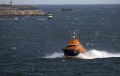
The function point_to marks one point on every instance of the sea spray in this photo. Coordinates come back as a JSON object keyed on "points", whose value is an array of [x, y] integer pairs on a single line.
{"points": [[92, 54], [54, 55]]}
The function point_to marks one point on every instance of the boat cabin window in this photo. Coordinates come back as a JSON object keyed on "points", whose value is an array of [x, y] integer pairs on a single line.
{"points": [[71, 45]]}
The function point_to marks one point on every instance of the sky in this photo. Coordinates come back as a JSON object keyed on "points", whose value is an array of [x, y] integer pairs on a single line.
{"points": [[61, 1]]}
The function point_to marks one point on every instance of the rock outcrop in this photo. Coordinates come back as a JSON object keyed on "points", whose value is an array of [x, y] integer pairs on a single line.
{"points": [[21, 13], [20, 10]]}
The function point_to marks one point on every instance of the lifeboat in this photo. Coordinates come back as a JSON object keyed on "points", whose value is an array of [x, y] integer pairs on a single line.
{"points": [[73, 48]]}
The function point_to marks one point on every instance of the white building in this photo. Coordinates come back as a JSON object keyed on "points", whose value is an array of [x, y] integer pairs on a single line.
{"points": [[11, 2]]}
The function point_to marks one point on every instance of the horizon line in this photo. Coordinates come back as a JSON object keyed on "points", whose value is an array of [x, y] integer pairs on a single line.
{"points": [[64, 4]]}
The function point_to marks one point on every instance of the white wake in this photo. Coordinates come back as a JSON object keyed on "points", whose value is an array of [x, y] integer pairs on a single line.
{"points": [[54, 55], [91, 54]]}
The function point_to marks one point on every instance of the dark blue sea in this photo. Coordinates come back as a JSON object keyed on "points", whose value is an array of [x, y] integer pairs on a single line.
{"points": [[32, 45]]}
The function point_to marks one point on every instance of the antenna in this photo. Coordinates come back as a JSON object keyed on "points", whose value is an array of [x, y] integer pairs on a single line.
{"points": [[77, 31], [73, 34]]}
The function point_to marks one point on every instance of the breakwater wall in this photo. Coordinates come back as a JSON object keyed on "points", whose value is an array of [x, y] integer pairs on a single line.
{"points": [[20, 10]]}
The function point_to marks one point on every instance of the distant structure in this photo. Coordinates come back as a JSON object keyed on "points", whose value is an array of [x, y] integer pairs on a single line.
{"points": [[50, 15], [11, 2], [67, 9]]}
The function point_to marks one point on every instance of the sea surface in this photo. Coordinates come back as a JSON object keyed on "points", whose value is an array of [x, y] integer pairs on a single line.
{"points": [[32, 45]]}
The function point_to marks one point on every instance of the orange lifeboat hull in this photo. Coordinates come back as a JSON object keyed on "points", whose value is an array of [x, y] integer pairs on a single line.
{"points": [[73, 49]]}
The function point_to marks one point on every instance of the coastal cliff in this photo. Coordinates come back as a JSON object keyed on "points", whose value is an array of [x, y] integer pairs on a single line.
{"points": [[20, 10]]}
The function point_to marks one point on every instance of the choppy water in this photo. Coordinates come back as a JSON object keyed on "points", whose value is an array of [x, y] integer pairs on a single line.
{"points": [[33, 45]]}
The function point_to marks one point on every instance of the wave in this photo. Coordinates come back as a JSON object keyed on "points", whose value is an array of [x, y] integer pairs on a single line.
{"points": [[41, 19], [54, 55], [2, 19], [91, 54]]}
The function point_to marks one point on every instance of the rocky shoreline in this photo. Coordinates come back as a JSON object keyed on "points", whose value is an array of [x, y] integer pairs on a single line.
{"points": [[20, 10]]}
